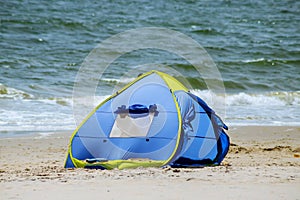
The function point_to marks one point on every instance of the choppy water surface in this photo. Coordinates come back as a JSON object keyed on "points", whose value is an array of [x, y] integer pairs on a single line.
{"points": [[255, 45]]}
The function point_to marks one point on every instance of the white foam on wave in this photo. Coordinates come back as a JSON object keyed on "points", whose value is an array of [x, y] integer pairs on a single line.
{"points": [[12, 93], [42, 115], [123, 80], [35, 115], [243, 99], [256, 99], [34, 121], [264, 99], [270, 108], [254, 60], [19, 95], [63, 101]]}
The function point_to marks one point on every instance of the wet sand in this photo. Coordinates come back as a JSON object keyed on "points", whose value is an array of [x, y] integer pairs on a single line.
{"points": [[263, 163]]}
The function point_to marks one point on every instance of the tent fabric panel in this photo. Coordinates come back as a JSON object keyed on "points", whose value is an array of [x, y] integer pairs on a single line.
{"points": [[200, 148], [196, 156], [79, 149], [199, 140], [124, 148], [200, 145], [105, 118], [202, 103], [195, 120], [173, 83], [119, 164], [101, 148], [147, 91], [223, 143], [163, 132], [91, 128], [165, 125], [86, 142], [152, 148], [69, 163], [142, 145]]}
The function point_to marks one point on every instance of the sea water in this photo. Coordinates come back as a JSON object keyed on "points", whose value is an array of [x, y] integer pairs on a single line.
{"points": [[255, 45]]}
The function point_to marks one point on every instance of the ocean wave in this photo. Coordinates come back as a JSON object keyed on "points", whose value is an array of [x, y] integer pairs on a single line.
{"points": [[268, 108], [205, 31], [116, 81], [63, 101], [13, 121], [12, 93], [272, 61], [59, 113], [41, 115], [254, 60], [16, 94], [275, 98]]}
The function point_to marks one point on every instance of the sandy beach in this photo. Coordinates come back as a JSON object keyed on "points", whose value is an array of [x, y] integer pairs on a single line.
{"points": [[263, 163]]}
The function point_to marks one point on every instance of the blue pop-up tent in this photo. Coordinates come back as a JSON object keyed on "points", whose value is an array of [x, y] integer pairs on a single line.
{"points": [[153, 121]]}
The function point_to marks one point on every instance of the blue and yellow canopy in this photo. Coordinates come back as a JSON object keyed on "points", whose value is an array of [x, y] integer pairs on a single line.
{"points": [[153, 121]]}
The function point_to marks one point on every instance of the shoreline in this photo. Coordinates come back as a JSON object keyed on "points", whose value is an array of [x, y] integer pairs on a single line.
{"points": [[263, 162], [28, 134]]}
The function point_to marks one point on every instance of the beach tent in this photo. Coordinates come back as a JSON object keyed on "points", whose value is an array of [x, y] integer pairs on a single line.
{"points": [[153, 121]]}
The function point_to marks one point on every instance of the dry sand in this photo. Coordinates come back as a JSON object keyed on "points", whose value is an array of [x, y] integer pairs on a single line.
{"points": [[263, 163]]}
